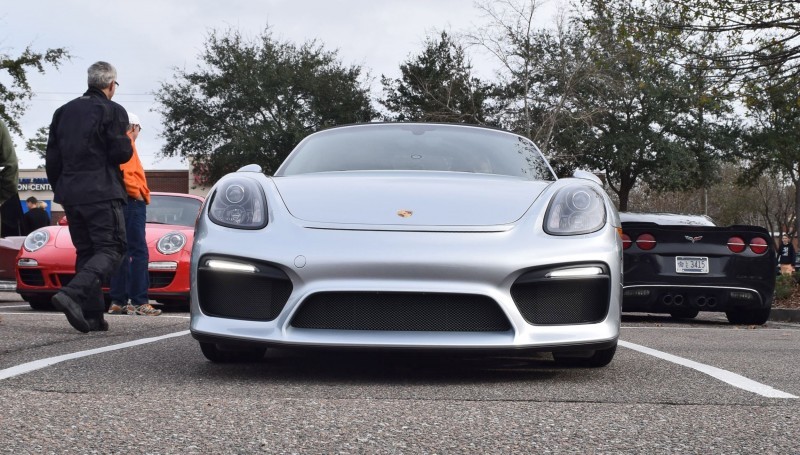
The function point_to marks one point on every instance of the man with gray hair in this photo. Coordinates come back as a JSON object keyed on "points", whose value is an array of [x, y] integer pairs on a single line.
{"points": [[87, 144]]}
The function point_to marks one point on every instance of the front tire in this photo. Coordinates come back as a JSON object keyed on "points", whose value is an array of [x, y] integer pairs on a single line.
{"points": [[586, 359], [748, 317], [231, 354]]}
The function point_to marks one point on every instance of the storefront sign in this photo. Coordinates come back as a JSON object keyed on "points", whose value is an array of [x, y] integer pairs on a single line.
{"points": [[34, 184]]}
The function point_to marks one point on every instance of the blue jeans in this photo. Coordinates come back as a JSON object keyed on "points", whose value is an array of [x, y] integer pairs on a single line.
{"points": [[131, 280]]}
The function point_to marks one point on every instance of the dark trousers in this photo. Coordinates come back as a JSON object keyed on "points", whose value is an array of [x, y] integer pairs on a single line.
{"points": [[131, 279], [98, 233]]}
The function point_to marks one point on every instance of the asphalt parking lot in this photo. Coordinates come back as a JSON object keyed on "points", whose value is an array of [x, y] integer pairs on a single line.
{"points": [[701, 386]]}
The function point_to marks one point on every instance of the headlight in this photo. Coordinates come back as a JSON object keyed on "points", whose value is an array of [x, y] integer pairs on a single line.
{"points": [[171, 243], [575, 210], [239, 203], [36, 240]]}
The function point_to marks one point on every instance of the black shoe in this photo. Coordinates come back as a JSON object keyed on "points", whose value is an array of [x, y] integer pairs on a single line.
{"points": [[97, 324], [72, 310]]}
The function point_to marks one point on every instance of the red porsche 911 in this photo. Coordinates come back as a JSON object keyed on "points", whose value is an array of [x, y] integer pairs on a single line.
{"points": [[46, 260]]}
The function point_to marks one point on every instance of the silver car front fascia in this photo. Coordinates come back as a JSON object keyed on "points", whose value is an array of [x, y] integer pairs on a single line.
{"points": [[486, 263]]}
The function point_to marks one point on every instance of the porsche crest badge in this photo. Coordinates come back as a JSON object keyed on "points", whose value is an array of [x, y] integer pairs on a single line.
{"points": [[404, 213]]}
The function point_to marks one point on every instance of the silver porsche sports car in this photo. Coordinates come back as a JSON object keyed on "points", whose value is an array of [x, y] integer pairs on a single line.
{"points": [[404, 235]]}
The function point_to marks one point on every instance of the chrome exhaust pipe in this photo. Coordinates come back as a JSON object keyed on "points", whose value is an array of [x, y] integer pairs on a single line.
{"points": [[711, 301], [701, 301], [678, 299], [666, 299]]}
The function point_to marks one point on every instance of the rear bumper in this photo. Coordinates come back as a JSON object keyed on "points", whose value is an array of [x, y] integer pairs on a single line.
{"points": [[665, 298]]}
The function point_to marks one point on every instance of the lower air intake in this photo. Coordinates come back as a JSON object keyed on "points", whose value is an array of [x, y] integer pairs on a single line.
{"points": [[401, 311], [251, 296], [562, 301]]}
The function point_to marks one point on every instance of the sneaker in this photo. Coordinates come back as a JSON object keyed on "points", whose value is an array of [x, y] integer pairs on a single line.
{"points": [[147, 310], [72, 311], [129, 309], [116, 308]]}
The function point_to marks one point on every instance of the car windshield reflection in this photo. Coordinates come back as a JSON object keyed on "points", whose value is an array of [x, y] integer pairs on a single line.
{"points": [[181, 211]]}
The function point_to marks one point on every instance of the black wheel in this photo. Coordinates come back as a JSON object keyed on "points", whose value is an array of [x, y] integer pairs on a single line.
{"points": [[39, 303], [748, 317], [684, 313], [230, 354], [586, 359]]}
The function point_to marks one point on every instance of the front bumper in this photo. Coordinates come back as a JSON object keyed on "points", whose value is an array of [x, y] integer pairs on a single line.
{"points": [[427, 267]]}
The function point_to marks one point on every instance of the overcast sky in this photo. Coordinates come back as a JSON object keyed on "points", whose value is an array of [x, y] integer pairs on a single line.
{"points": [[147, 39]]}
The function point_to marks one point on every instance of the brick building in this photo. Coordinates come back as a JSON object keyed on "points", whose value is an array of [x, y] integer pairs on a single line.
{"points": [[33, 182]]}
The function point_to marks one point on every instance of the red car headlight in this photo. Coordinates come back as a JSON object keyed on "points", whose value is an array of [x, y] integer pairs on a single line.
{"points": [[36, 240], [171, 243]]}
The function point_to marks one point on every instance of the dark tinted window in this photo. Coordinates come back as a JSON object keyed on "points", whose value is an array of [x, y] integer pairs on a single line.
{"points": [[418, 147]]}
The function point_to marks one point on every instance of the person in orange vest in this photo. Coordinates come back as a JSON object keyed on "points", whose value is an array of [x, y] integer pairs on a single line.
{"points": [[130, 282]]}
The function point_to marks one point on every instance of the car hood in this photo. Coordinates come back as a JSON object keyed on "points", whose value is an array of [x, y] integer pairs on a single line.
{"points": [[153, 231], [408, 198]]}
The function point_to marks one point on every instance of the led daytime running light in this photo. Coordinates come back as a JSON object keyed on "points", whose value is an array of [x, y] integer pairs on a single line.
{"points": [[575, 272], [227, 266]]}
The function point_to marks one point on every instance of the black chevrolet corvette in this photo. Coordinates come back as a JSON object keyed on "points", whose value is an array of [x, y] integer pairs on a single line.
{"points": [[684, 264]]}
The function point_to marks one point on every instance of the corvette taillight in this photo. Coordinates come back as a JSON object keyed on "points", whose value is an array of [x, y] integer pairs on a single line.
{"points": [[736, 244], [758, 245], [646, 242], [626, 241]]}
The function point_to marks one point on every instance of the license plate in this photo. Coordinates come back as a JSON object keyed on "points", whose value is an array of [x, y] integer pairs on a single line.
{"points": [[691, 264]]}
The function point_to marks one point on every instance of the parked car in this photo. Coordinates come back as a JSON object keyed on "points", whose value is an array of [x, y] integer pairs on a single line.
{"points": [[401, 235], [46, 260], [684, 264], [9, 248]]}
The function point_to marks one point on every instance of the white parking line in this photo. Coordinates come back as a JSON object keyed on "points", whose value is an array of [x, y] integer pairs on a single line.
{"points": [[29, 313], [43, 363], [718, 373]]}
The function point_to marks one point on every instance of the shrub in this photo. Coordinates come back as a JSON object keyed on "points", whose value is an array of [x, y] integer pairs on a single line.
{"points": [[784, 286]]}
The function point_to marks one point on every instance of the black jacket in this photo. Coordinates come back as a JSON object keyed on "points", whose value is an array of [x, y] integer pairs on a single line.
{"points": [[87, 144], [33, 219], [786, 254]]}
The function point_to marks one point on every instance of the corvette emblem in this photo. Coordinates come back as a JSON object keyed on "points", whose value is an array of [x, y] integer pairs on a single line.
{"points": [[694, 239], [404, 213]]}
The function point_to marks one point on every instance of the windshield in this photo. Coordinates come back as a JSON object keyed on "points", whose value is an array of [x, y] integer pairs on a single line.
{"points": [[181, 211], [423, 147]]}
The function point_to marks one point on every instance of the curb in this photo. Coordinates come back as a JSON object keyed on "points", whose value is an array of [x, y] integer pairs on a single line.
{"points": [[784, 315]]}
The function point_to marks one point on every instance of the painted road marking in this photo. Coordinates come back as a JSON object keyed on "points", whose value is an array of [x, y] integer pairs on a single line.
{"points": [[728, 377], [162, 315], [44, 363], [718, 373]]}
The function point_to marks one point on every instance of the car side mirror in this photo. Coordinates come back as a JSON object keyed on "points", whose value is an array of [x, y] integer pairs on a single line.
{"points": [[250, 168], [580, 174]]}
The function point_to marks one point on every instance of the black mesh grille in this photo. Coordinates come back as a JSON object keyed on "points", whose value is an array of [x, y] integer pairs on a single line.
{"points": [[157, 279], [562, 301], [252, 296], [399, 311], [161, 279], [31, 277], [65, 278]]}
